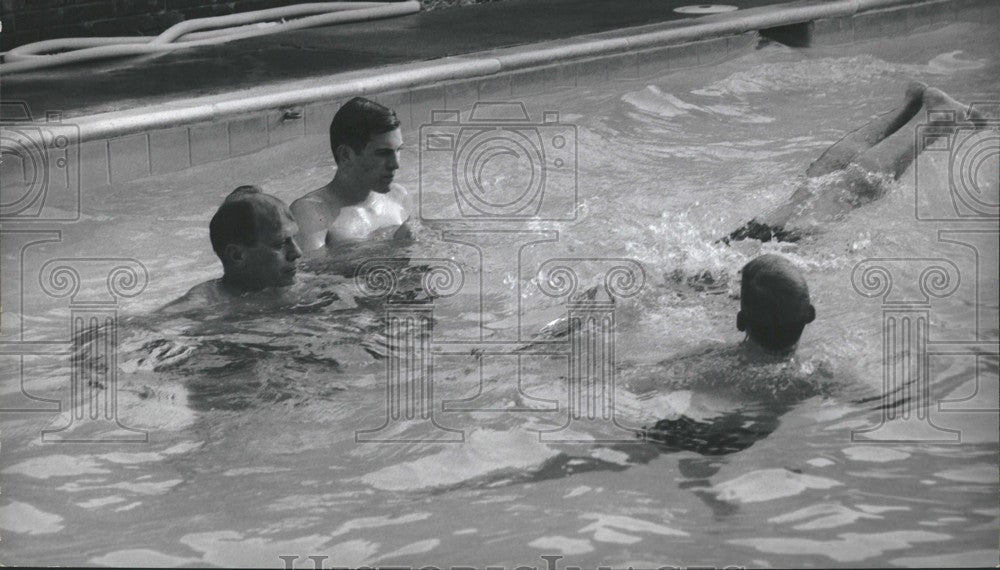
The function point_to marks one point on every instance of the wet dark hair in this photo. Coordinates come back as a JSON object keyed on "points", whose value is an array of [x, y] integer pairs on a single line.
{"points": [[358, 121], [774, 302], [236, 220]]}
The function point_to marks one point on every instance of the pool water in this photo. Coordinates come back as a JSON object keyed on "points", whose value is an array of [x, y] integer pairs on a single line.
{"points": [[252, 411]]}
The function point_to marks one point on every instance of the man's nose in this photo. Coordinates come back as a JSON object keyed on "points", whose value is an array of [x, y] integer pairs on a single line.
{"points": [[294, 252], [394, 161]]}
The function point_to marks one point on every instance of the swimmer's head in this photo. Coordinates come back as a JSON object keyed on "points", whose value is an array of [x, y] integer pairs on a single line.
{"points": [[774, 303], [356, 123], [253, 234]]}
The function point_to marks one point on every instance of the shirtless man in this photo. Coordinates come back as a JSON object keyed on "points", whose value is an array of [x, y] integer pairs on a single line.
{"points": [[361, 202], [719, 394], [253, 234], [855, 169], [774, 304]]}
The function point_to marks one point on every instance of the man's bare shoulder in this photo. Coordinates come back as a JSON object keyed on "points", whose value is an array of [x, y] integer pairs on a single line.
{"points": [[309, 201], [200, 296]]}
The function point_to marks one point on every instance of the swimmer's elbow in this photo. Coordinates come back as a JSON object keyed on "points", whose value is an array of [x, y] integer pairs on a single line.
{"points": [[311, 241], [403, 232]]}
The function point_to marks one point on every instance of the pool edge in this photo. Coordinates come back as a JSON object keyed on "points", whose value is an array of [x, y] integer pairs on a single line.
{"points": [[122, 146]]}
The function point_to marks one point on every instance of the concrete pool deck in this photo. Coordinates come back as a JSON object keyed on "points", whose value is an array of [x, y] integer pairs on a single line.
{"points": [[114, 85], [136, 119]]}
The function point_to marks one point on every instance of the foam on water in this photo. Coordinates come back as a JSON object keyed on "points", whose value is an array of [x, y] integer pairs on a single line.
{"points": [[411, 549], [652, 101], [817, 74], [768, 485], [874, 455], [22, 518], [231, 548], [850, 547], [983, 474], [823, 515], [562, 544], [57, 465], [485, 451], [377, 522], [970, 559], [950, 62], [142, 558], [613, 528]]}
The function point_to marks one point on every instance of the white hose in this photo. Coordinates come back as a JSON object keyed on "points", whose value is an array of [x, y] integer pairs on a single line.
{"points": [[200, 32]]}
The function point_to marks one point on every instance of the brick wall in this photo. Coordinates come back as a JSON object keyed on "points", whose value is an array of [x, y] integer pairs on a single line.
{"points": [[26, 21]]}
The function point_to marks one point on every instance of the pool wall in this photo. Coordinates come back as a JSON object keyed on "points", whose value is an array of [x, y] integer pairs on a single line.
{"points": [[123, 146]]}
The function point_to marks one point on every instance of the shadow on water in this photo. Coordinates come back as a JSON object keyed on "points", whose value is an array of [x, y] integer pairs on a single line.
{"points": [[301, 344]]}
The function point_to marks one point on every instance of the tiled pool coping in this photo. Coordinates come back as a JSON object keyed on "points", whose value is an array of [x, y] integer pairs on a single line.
{"points": [[128, 145]]}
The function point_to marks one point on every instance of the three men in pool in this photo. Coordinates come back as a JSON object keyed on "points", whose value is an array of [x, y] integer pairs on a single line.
{"points": [[361, 202], [258, 240], [855, 169]]}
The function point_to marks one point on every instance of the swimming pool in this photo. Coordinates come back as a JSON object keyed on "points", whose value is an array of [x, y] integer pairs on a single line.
{"points": [[252, 417]]}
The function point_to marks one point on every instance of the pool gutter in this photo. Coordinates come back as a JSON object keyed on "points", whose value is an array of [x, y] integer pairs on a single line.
{"points": [[140, 142], [345, 85]]}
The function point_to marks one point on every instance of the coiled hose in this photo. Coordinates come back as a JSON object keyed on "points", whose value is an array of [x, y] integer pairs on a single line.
{"points": [[200, 32]]}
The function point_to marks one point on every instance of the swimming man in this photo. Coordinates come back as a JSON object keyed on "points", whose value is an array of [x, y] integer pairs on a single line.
{"points": [[855, 169], [361, 202], [728, 398], [253, 234]]}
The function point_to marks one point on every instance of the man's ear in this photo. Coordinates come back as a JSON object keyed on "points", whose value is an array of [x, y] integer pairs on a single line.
{"points": [[740, 324], [343, 154], [234, 254], [810, 314]]}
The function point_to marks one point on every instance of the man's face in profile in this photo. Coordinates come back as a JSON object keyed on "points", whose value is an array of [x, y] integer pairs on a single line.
{"points": [[379, 160], [273, 261]]}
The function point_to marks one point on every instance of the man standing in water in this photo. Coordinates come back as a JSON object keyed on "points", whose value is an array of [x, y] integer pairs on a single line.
{"points": [[361, 202], [854, 171], [253, 234]]}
